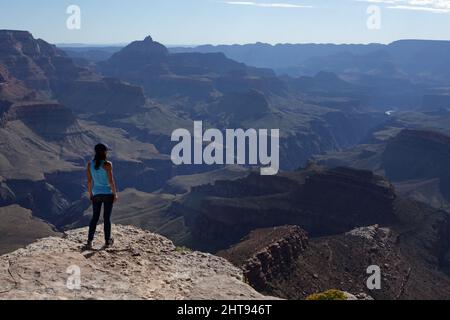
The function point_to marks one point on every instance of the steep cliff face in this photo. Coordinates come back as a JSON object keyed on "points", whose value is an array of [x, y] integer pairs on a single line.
{"points": [[267, 254], [140, 266], [35, 62], [2, 75], [50, 120], [436, 102], [417, 154], [19, 228], [19, 102], [345, 198], [6, 194], [11, 89], [109, 96], [43, 199], [235, 108]]}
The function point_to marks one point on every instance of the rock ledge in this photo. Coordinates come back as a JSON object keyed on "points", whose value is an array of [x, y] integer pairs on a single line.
{"points": [[141, 265]]}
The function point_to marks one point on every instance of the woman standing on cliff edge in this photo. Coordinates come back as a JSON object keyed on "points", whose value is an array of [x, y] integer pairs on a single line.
{"points": [[102, 191]]}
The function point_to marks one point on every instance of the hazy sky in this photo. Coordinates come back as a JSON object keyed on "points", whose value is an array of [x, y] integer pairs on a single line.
{"points": [[215, 21]]}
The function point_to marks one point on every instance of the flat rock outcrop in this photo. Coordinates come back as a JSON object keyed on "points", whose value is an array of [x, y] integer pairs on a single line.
{"points": [[141, 265]]}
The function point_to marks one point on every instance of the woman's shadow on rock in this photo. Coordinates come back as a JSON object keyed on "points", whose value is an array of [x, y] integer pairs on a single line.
{"points": [[90, 252]]}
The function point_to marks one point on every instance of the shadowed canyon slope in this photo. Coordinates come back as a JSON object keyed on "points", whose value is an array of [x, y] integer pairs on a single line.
{"points": [[18, 228]]}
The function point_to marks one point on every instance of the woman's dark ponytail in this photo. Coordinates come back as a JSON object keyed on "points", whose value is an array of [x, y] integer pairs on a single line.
{"points": [[100, 155]]}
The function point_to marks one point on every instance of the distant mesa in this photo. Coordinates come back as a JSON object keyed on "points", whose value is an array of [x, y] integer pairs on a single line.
{"points": [[138, 54], [198, 76]]}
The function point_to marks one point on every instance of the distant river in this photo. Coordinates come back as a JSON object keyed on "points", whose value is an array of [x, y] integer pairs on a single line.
{"points": [[390, 112]]}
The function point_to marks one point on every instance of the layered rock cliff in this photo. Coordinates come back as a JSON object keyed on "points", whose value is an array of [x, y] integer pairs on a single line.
{"points": [[141, 265], [50, 120], [46, 69], [35, 62], [267, 254]]}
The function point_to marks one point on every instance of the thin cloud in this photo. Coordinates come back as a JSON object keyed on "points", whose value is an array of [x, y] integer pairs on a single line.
{"points": [[416, 8], [434, 6], [266, 5]]}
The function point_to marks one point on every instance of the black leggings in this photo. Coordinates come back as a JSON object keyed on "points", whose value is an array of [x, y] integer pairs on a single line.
{"points": [[108, 201]]}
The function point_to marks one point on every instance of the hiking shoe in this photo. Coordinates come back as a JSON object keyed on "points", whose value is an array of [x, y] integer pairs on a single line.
{"points": [[109, 243], [88, 246]]}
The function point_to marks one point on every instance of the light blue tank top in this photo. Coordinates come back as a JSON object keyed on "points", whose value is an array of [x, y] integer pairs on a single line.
{"points": [[100, 180]]}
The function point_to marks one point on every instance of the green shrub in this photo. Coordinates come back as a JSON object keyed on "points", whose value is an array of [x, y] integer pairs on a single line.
{"points": [[328, 295], [183, 249]]}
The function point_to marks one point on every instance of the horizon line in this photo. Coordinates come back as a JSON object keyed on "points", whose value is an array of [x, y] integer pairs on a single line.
{"points": [[193, 45], [122, 44]]}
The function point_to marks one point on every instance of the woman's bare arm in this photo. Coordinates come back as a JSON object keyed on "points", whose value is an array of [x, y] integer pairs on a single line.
{"points": [[109, 170], [89, 177]]}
